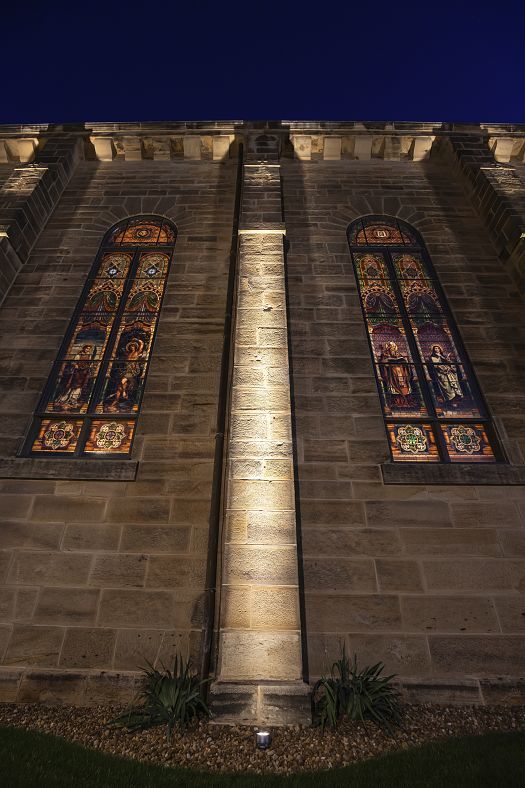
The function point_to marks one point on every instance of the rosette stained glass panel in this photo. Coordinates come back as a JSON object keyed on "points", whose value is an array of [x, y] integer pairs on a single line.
{"points": [[110, 437], [413, 442], [421, 367], [468, 442], [102, 366], [57, 435]]}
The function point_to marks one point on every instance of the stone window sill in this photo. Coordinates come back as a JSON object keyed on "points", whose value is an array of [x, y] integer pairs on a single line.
{"points": [[66, 468], [457, 473]]}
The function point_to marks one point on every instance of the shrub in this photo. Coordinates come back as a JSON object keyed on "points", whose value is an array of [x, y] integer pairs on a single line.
{"points": [[167, 697], [356, 695]]}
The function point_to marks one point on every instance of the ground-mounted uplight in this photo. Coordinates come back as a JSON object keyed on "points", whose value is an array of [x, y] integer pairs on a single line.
{"points": [[263, 739]]}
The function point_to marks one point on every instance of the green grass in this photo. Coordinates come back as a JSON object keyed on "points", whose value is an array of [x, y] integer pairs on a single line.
{"points": [[30, 759]]}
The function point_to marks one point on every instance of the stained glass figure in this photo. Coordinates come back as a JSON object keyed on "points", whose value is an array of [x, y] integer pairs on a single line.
{"points": [[421, 367], [103, 363]]}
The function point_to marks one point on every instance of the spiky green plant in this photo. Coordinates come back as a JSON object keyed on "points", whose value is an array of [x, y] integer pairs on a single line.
{"points": [[357, 695], [167, 697]]}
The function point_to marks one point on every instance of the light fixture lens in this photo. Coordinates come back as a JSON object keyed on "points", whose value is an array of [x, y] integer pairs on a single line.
{"points": [[263, 739]]}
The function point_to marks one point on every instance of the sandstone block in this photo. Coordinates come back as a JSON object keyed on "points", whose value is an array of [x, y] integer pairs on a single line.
{"points": [[448, 614], [468, 574], [148, 510], [511, 612], [398, 575], [479, 514], [88, 648], [274, 608], [481, 656], [272, 528], [76, 606], [350, 542], [118, 570], [235, 607], [45, 536], [67, 509], [404, 655], [325, 574], [9, 683], [260, 655], [175, 572], [137, 608], [32, 645], [344, 513], [92, 536], [407, 513], [264, 495], [260, 565], [352, 613], [155, 538], [450, 541], [53, 687], [51, 569]]}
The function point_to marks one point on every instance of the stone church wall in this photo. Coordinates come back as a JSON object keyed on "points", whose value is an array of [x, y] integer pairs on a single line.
{"points": [[425, 578], [426, 574], [98, 575]]}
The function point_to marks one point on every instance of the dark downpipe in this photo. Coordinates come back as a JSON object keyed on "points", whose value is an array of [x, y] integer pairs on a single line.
{"points": [[218, 465]]}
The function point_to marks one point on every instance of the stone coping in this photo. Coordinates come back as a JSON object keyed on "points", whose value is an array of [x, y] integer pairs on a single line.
{"points": [[457, 473], [68, 468]]}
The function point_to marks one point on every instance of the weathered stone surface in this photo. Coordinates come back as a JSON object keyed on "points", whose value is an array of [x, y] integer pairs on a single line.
{"points": [[76, 606], [88, 648], [250, 655], [34, 645], [492, 655], [449, 614]]}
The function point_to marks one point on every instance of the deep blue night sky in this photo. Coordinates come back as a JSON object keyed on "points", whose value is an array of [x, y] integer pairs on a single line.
{"points": [[199, 60]]}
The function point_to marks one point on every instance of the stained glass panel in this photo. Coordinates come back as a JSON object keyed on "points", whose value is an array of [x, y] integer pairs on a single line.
{"points": [[420, 298], [110, 437], [434, 340], [467, 443], [410, 266], [370, 267], [389, 342], [420, 365], [400, 390], [57, 436], [413, 443], [103, 364], [73, 385], [114, 266], [451, 391], [90, 336]]}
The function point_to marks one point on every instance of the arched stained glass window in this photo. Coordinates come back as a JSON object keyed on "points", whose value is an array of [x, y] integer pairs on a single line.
{"points": [[434, 410], [92, 398]]}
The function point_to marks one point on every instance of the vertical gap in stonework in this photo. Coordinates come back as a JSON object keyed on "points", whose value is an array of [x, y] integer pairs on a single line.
{"points": [[209, 648], [297, 497]]}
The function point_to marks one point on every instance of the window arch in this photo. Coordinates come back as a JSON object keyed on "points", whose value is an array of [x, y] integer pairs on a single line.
{"points": [[433, 408], [92, 398]]}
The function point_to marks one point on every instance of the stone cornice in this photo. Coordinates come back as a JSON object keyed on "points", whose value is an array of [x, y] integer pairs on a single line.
{"points": [[217, 140]]}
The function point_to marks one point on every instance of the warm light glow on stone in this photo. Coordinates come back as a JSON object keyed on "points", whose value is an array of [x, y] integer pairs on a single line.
{"points": [[260, 621]]}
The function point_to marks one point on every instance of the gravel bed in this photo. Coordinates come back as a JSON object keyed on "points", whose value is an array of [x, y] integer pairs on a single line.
{"points": [[219, 748]]}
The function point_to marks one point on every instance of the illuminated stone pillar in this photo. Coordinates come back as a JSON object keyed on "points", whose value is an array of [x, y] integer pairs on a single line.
{"points": [[260, 662]]}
